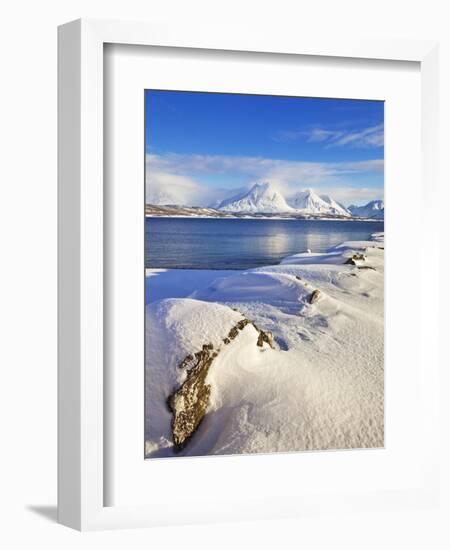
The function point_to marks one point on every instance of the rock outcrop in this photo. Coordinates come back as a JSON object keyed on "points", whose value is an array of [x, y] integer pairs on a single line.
{"points": [[355, 258], [190, 402], [314, 296]]}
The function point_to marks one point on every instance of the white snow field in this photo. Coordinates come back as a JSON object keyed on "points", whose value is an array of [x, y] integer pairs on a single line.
{"points": [[322, 387]]}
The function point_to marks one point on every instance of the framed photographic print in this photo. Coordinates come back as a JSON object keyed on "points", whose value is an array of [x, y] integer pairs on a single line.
{"points": [[235, 324], [264, 298]]}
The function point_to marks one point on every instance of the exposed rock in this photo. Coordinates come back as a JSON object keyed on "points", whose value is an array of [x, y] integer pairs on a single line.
{"points": [[355, 258], [314, 296], [366, 267], [235, 330], [265, 337], [190, 402]]}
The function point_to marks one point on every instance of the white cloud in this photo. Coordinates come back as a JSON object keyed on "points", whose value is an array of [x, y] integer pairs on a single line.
{"points": [[369, 137], [255, 166], [352, 195], [171, 178], [373, 136], [319, 135], [376, 165], [167, 188]]}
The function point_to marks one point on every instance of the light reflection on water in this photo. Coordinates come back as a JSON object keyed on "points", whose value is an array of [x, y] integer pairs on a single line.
{"points": [[194, 243]]}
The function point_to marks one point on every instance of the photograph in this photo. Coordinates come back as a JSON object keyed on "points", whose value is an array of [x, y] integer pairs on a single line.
{"points": [[264, 274]]}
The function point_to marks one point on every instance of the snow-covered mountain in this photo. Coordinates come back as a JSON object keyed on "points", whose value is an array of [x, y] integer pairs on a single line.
{"points": [[336, 207], [373, 209], [262, 198], [309, 202]]}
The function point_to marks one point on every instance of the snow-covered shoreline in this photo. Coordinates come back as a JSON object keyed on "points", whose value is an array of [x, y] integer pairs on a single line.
{"points": [[321, 387], [262, 217]]}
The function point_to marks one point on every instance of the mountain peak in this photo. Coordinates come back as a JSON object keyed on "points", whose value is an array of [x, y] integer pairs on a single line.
{"points": [[310, 202], [263, 187], [373, 209], [261, 198]]}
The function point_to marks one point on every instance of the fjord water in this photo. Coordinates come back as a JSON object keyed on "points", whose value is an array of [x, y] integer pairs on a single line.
{"points": [[215, 243]]}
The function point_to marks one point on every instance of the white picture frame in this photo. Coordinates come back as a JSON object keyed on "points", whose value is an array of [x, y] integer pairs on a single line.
{"points": [[82, 484]]}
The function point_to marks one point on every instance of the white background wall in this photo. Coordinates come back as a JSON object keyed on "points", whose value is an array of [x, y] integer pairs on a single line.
{"points": [[28, 269]]}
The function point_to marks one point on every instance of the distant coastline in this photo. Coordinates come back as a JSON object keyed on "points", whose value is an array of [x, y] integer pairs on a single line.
{"points": [[176, 211]]}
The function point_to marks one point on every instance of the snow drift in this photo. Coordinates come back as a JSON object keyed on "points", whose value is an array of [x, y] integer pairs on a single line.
{"points": [[321, 387]]}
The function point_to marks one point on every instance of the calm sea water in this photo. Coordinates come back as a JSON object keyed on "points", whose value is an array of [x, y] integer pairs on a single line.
{"points": [[212, 243]]}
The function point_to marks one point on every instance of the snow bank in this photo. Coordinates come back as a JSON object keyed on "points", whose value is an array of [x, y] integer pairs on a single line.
{"points": [[323, 385], [176, 328], [282, 290]]}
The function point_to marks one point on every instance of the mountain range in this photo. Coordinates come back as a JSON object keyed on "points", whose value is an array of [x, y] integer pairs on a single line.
{"points": [[264, 198]]}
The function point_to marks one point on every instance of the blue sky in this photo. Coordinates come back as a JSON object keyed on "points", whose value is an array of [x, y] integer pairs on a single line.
{"points": [[201, 147]]}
